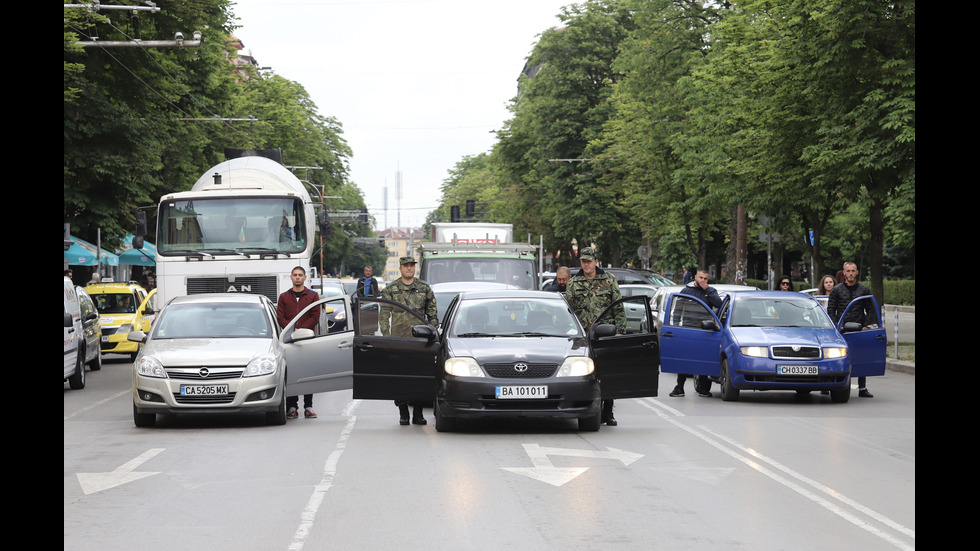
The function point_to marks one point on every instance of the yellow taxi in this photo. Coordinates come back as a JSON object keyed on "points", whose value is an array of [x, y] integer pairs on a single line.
{"points": [[123, 307]]}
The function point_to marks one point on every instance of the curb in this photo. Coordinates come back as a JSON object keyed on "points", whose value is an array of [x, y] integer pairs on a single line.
{"points": [[900, 366]]}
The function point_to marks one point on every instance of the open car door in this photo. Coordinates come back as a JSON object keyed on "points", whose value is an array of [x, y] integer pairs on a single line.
{"points": [[866, 348], [627, 363], [146, 313], [320, 360], [395, 352], [690, 337]]}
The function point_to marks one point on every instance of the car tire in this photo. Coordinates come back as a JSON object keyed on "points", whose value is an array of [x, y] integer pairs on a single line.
{"points": [[590, 423], [841, 395], [77, 379], [143, 419], [96, 363], [278, 417], [728, 391], [443, 423]]}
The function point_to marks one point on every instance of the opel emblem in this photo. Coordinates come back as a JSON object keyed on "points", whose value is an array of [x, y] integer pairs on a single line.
{"points": [[520, 368], [204, 372]]}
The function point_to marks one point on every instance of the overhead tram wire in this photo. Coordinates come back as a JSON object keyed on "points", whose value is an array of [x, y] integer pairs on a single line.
{"points": [[158, 93]]}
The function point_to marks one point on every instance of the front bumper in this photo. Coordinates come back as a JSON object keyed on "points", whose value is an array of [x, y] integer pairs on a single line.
{"points": [[245, 395], [475, 398], [761, 374]]}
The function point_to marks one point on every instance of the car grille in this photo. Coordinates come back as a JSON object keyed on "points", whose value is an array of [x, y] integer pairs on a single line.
{"points": [[205, 399], [198, 374], [787, 352], [106, 331], [256, 285], [212, 374], [533, 371]]}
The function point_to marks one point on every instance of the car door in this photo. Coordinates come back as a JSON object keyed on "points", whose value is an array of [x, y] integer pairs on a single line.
{"points": [[390, 362], [687, 345], [627, 364], [145, 314], [867, 348], [322, 362]]}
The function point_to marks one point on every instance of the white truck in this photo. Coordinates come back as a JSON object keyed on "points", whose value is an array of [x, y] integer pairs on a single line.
{"points": [[241, 228], [462, 251]]}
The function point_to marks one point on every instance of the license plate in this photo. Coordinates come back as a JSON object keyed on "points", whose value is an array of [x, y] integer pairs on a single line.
{"points": [[105, 340], [203, 390], [522, 392], [798, 370]]}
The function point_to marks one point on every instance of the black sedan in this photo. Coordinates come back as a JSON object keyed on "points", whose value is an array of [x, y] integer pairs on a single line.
{"points": [[511, 353]]}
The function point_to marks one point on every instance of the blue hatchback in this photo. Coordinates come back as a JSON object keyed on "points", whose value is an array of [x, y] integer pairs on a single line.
{"points": [[769, 340]]}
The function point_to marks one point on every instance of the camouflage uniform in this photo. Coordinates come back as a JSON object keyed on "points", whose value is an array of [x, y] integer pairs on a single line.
{"points": [[589, 297], [418, 296], [394, 322]]}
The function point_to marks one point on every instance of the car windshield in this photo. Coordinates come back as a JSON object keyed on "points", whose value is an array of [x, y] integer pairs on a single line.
{"points": [[772, 312], [197, 321], [242, 225], [515, 317], [115, 303]]}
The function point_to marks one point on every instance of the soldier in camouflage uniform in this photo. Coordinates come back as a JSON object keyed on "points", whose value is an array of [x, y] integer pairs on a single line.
{"points": [[417, 295], [589, 293]]}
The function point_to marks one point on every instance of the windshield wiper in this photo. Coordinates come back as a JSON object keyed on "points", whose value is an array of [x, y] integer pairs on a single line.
{"points": [[535, 334], [263, 252], [476, 335]]}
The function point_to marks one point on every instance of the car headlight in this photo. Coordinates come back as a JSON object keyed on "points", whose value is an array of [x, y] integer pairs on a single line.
{"points": [[148, 366], [755, 351], [262, 365], [832, 352], [463, 367], [576, 366]]}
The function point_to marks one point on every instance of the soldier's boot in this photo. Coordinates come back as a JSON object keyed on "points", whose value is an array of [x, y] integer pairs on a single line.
{"points": [[607, 413], [417, 418], [403, 412]]}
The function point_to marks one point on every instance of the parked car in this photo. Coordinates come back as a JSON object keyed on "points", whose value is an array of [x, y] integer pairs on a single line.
{"points": [[328, 287], [660, 297], [74, 339], [507, 353], [91, 328], [446, 292], [210, 353], [768, 340], [123, 307], [225, 353], [629, 276]]}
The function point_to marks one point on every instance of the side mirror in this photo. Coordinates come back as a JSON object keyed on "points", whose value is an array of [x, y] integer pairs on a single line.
{"points": [[851, 326], [302, 334], [136, 336], [709, 325], [68, 321], [140, 230], [603, 330], [424, 332]]}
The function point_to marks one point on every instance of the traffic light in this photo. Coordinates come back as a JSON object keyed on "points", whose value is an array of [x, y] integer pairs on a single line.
{"points": [[364, 216], [454, 213], [470, 208]]}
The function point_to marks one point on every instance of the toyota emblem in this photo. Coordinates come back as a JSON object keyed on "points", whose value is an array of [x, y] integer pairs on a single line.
{"points": [[520, 368]]}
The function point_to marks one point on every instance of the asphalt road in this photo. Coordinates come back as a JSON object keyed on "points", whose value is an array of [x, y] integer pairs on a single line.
{"points": [[772, 471]]}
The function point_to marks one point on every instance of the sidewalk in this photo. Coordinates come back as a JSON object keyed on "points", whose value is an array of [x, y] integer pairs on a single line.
{"points": [[907, 334]]}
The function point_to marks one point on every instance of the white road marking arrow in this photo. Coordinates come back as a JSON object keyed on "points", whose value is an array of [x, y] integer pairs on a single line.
{"points": [[96, 482], [545, 471]]}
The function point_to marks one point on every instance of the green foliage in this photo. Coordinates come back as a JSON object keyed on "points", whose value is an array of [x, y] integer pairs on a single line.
{"points": [[143, 122]]}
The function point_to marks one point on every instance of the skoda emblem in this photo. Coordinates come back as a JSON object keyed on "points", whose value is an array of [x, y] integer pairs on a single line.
{"points": [[204, 372], [520, 368], [796, 348]]}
